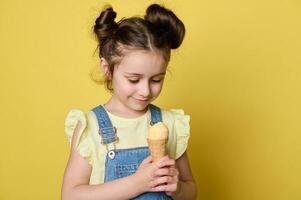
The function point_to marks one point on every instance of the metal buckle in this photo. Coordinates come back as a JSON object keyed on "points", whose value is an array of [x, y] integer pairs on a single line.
{"points": [[111, 153]]}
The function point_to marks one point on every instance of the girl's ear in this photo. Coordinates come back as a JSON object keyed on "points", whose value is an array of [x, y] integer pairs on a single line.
{"points": [[105, 68]]}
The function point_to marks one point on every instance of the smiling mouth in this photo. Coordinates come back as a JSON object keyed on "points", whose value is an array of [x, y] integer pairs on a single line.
{"points": [[142, 100]]}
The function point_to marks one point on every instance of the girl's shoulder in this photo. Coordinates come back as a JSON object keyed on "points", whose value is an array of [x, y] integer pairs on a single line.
{"points": [[174, 115], [75, 116], [86, 137], [177, 121]]}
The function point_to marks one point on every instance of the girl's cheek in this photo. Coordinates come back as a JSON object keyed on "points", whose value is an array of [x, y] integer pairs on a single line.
{"points": [[128, 87], [157, 89]]}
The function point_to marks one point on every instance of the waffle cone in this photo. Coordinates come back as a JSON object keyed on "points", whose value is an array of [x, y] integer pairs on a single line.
{"points": [[157, 148]]}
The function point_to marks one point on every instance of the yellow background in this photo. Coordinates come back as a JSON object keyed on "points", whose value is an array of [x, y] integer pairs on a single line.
{"points": [[237, 74]]}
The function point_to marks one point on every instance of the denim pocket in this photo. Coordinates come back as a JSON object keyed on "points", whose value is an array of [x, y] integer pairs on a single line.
{"points": [[125, 170]]}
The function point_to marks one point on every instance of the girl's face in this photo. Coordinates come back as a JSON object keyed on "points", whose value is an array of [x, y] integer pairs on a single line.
{"points": [[138, 80]]}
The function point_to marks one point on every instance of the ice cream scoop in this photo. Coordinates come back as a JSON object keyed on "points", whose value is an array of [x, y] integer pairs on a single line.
{"points": [[157, 140]]}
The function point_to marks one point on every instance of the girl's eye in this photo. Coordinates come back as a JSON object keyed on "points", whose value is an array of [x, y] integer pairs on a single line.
{"points": [[133, 80], [156, 81]]}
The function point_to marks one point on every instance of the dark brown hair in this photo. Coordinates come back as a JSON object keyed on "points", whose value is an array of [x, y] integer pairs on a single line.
{"points": [[159, 30]]}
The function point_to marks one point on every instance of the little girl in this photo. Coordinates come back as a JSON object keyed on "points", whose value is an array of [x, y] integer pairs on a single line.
{"points": [[109, 156]]}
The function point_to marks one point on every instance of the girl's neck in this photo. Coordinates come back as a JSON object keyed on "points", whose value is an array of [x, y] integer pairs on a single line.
{"points": [[120, 110]]}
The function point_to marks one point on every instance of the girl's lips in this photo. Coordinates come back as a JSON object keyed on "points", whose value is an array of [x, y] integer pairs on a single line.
{"points": [[142, 101]]}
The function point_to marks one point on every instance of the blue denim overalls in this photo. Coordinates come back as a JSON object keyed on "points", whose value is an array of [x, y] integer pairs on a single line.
{"points": [[125, 162]]}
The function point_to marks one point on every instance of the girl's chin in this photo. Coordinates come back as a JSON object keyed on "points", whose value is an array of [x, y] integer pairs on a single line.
{"points": [[139, 107]]}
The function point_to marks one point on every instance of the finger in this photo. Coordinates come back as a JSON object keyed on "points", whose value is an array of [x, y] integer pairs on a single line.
{"points": [[170, 187], [163, 159], [167, 163], [159, 188], [173, 171], [166, 171], [161, 180], [162, 172], [174, 179]]}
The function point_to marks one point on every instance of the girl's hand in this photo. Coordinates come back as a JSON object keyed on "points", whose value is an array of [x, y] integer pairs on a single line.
{"points": [[152, 176], [145, 174], [173, 184], [167, 178]]}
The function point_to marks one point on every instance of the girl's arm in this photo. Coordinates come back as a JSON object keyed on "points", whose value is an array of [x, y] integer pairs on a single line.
{"points": [[186, 186], [76, 183], [77, 174]]}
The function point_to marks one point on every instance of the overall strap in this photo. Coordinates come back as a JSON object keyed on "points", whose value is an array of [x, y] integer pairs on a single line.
{"points": [[156, 115], [106, 129]]}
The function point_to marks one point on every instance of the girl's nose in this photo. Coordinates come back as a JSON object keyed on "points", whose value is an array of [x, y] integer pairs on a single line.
{"points": [[144, 90]]}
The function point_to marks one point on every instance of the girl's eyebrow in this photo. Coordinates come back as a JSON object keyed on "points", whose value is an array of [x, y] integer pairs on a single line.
{"points": [[132, 74]]}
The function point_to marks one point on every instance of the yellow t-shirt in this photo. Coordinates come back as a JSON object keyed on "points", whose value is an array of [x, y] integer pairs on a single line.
{"points": [[132, 133]]}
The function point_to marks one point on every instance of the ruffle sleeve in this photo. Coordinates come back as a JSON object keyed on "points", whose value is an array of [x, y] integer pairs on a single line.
{"points": [[181, 130], [83, 140]]}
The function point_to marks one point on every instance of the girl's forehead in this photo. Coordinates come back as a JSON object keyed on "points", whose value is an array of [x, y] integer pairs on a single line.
{"points": [[142, 61]]}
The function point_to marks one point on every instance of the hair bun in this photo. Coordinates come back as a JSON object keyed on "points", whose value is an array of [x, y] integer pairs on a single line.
{"points": [[105, 24], [168, 28]]}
